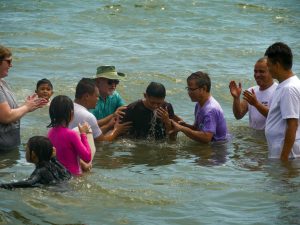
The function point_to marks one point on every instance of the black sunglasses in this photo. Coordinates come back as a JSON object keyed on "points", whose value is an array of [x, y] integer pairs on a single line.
{"points": [[9, 61], [110, 82]]}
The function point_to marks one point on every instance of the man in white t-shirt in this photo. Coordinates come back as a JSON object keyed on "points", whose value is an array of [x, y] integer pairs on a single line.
{"points": [[256, 100], [86, 97], [282, 126]]}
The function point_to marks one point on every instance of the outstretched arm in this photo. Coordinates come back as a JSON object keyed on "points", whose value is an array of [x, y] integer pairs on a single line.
{"points": [[200, 136], [9, 115]]}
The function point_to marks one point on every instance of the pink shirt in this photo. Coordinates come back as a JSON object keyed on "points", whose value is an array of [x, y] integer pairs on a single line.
{"points": [[70, 148]]}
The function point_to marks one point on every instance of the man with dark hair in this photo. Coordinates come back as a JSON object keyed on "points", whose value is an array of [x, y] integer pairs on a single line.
{"points": [[282, 126], [86, 97], [150, 116], [210, 124], [256, 100]]}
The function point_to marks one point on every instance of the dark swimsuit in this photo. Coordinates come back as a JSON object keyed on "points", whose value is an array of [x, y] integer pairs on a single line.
{"points": [[45, 173]]}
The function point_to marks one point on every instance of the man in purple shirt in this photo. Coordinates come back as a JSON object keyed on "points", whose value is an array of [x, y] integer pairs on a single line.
{"points": [[210, 124]]}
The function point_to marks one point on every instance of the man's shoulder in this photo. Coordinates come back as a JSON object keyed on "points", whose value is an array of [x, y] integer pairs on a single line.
{"points": [[136, 104]]}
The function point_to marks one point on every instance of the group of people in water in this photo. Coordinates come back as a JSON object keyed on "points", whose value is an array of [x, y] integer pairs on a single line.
{"points": [[99, 111]]}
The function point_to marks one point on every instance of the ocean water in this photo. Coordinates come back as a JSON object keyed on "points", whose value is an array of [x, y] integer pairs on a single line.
{"points": [[152, 40]]}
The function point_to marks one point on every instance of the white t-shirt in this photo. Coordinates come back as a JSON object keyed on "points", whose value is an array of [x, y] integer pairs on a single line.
{"points": [[285, 105], [81, 115], [256, 119]]}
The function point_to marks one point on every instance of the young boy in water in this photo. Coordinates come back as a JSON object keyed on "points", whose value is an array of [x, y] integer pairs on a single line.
{"points": [[44, 89], [150, 116], [47, 171]]}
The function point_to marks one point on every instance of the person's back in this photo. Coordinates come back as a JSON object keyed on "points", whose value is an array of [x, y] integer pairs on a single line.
{"points": [[69, 145]]}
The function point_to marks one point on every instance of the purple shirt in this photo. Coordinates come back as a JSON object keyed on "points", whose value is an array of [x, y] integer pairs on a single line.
{"points": [[210, 118]]}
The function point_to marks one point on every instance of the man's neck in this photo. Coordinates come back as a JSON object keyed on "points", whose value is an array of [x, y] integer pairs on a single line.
{"points": [[203, 100], [80, 102], [265, 87], [284, 75]]}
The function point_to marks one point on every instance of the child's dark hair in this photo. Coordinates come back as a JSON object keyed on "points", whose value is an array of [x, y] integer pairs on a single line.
{"points": [[41, 146], [156, 90], [60, 111], [44, 81]]}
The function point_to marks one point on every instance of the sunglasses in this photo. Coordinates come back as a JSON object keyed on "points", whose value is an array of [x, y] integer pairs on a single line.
{"points": [[9, 61], [110, 82]]}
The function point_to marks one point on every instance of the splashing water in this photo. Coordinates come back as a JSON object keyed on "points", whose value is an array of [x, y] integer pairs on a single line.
{"points": [[151, 134]]}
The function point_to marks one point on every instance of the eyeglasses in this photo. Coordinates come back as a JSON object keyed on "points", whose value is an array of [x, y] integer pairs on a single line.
{"points": [[191, 89], [110, 82], [9, 61]]}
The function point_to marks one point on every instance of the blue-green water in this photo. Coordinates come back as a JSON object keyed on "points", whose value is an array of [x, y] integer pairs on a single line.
{"points": [[164, 41]]}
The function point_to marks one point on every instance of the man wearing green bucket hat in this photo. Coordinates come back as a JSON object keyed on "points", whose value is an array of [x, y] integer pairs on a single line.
{"points": [[110, 103]]}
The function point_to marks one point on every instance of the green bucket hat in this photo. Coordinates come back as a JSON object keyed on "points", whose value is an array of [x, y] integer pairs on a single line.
{"points": [[109, 72]]}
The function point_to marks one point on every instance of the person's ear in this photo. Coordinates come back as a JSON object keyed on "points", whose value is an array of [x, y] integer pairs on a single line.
{"points": [[34, 158], [53, 152], [35, 91]]}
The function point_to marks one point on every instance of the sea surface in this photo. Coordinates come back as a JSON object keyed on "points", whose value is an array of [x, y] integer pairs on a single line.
{"points": [[143, 182]]}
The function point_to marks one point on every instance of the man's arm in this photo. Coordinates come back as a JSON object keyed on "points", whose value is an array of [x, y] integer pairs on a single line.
{"points": [[200, 136], [250, 97], [289, 139], [239, 108]]}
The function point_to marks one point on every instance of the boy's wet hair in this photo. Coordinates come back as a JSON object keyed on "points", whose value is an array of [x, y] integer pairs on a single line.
{"points": [[85, 86], [60, 111], [44, 81], [156, 90], [41, 146]]}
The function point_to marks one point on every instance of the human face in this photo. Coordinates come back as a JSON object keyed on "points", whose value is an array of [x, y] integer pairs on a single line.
{"points": [[5, 65], [153, 103], [193, 90], [262, 76], [44, 91], [106, 86], [92, 99]]}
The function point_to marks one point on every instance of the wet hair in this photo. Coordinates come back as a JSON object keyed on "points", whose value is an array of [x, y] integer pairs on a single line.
{"points": [[41, 146], [60, 111], [44, 81], [156, 90], [202, 79], [85, 86], [281, 53], [4, 52]]}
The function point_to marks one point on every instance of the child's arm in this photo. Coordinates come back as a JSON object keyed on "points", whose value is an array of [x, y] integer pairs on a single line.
{"points": [[32, 181], [82, 147]]}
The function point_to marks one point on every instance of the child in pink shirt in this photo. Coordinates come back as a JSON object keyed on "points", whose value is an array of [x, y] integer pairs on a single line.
{"points": [[70, 148]]}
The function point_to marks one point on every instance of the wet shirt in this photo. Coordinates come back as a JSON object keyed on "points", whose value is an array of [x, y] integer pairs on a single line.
{"points": [[210, 118], [108, 106], [45, 173], [144, 124], [9, 133]]}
